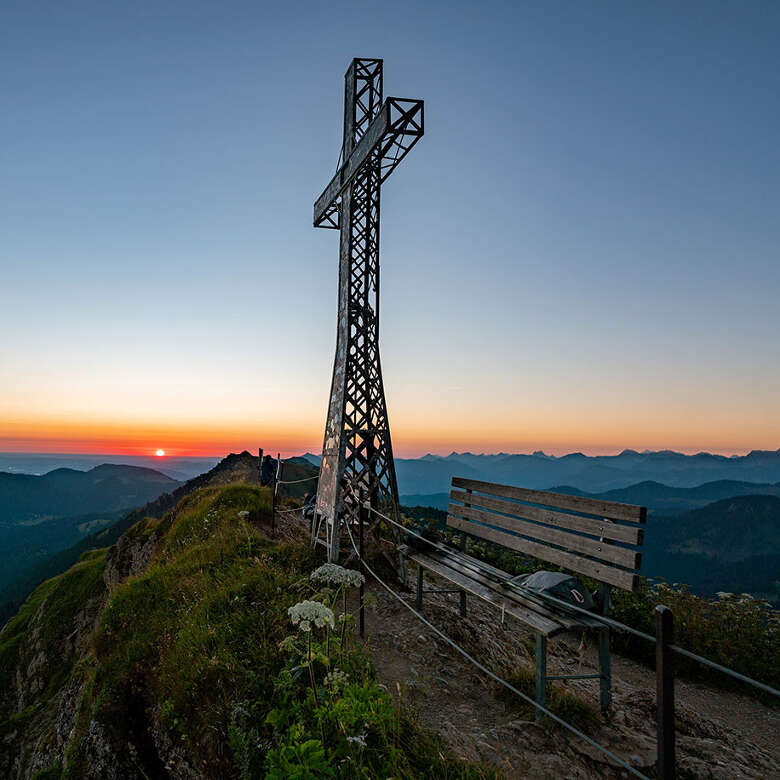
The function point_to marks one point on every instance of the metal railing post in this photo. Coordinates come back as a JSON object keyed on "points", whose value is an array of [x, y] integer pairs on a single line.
{"points": [[664, 680]]}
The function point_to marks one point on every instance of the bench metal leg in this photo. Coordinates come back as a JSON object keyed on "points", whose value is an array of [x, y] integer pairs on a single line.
{"points": [[418, 601], [605, 661], [541, 672]]}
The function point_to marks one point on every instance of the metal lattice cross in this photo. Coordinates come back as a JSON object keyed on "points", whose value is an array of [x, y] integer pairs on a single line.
{"points": [[357, 455]]}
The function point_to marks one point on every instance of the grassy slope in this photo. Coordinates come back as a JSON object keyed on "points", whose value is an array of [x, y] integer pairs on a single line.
{"points": [[38, 638], [190, 647], [295, 469], [234, 468]]}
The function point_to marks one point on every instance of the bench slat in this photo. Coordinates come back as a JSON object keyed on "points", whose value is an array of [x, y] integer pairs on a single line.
{"points": [[593, 506], [533, 619], [596, 549], [603, 528], [568, 621], [599, 571]]}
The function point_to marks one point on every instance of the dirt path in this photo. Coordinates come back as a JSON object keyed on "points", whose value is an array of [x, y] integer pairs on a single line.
{"points": [[721, 735]]}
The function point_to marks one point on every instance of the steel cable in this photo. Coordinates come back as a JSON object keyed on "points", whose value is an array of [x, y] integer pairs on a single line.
{"points": [[594, 615], [296, 481], [491, 674]]}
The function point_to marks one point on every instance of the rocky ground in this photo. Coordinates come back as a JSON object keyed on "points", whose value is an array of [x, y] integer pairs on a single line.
{"points": [[721, 735]]}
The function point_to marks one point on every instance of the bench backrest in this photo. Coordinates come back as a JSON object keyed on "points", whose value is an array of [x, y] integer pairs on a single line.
{"points": [[596, 538]]}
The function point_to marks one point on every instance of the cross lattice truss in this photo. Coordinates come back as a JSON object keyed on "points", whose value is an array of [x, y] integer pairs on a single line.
{"points": [[357, 459]]}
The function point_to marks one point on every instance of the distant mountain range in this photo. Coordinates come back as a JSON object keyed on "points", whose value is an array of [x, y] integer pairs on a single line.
{"points": [[39, 463], [714, 521], [714, 534], [659, 499], [26, 499], [594, 474]]}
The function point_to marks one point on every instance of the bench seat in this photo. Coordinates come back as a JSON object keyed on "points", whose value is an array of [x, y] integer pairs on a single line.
{"points": [[489, 584], [590, 537]]}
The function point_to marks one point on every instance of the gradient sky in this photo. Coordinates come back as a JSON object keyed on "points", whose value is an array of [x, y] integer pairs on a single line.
{"points": [[581, 254]]}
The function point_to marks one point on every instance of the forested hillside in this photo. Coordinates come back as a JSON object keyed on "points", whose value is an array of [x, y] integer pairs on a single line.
{"points": [[41, 515]]}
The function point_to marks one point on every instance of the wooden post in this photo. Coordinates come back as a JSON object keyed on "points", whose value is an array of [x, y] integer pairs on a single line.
{"points": [[418, 600], [273, 513], [664, 681], [276, 489], [605, 661], [541, 672], [363, 521]]}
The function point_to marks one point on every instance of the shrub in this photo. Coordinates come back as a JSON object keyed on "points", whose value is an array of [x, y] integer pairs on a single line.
{"points": [[742, 634], [563, 702]]}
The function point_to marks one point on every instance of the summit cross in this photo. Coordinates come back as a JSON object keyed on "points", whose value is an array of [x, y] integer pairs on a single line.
{"points": [[357, 455]]}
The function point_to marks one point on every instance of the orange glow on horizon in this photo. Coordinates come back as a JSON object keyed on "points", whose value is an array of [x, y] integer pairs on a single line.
{"points": [[408, 443], [418, 429]]}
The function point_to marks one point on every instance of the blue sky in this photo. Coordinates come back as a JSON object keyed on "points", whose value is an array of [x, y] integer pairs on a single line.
{"points": [[582, 253]]}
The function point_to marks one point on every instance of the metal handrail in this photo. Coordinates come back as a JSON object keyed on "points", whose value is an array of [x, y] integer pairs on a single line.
{"points": [[618, 626], [621, 762]]}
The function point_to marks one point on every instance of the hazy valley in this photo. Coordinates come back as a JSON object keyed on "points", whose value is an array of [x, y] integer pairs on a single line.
{"points": [[720, 535]]}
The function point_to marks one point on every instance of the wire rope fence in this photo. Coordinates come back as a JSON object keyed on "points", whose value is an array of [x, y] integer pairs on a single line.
{"points": [[296, 481], [663, 641], [455, 646]]}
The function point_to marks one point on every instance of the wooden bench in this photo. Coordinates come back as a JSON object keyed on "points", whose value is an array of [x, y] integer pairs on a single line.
{"points": [[597, 539]]}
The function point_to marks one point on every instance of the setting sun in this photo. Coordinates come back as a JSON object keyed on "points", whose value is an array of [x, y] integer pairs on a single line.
{"points": [[160, 453]]}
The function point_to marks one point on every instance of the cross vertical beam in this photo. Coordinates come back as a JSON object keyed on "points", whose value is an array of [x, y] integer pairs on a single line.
{"points": [[357, 454]]}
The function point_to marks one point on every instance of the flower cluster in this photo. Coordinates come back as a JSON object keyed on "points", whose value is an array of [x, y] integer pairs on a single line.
{"points": [[304, 613], [336, 680], [338, 575], [244, 513], [360, 739]]}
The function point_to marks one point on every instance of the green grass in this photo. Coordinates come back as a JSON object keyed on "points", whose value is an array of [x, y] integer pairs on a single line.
{"points": [[566, 704], [191, 645], [48, 616], [52, 772]]}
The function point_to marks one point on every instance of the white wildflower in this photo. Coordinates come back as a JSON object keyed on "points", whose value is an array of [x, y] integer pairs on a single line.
{"points": [[244, 513], [304, 613], [360, 739], [338, 575], [336, 680]]}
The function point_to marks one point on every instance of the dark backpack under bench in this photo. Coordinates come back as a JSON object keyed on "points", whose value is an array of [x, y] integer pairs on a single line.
{"points": [[597, 539]]}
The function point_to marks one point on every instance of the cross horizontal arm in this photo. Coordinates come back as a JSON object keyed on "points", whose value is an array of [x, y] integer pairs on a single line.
{"points": [[393, 132]]}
